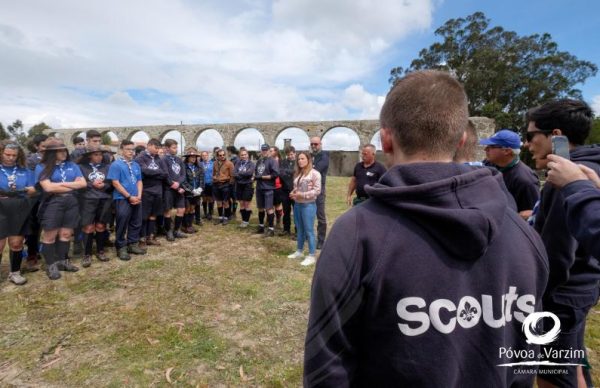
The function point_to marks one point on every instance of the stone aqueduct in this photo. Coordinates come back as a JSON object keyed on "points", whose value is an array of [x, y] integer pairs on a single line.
{"points": [[365, 129]]}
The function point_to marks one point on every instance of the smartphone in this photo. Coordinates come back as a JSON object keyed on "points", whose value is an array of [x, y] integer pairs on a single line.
{"points": [[560, 146]]}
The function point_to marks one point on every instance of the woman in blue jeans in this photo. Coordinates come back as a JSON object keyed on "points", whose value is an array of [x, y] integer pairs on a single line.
{"points": [[307, 186]]}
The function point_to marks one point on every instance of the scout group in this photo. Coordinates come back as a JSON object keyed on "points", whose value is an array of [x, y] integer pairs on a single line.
{"points": [[54, 199]]}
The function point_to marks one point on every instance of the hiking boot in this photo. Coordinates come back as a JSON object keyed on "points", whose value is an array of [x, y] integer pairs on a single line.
{"points": [[170, 236], [31, 264], [284, 233], [53, 272], [16, 278], [65, 265], [142, 244], [260, 230], [122, 254], [199, 222], [86, 261], [101, 256], [179, 234], [225, 222], [310, 260], [151, 240], [136, 249], [269, 233], [188, 230]]}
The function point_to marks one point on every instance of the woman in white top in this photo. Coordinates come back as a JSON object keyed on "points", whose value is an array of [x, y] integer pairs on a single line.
{"points": [[307, 186]]}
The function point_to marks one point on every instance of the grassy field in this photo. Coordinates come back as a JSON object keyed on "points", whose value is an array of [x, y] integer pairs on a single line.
{"points": [[223, 308]]}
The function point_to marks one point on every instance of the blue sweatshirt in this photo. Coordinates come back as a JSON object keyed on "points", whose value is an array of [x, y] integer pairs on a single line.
{"points": [[571, 266], [431, 307]]}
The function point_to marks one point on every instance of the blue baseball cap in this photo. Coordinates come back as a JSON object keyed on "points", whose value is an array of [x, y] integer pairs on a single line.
{"points": [[504, 138], [265, 147]]}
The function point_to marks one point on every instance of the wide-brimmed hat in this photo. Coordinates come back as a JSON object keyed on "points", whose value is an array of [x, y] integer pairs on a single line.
{"points": [[191, 152], [91, 150], [54, 145]]}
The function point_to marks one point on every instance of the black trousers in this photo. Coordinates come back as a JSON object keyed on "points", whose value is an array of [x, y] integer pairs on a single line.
{"points": [[288, 205]]}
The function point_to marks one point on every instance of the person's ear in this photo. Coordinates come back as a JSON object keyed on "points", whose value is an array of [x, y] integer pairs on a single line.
{"points": [[462, 141], [387, 141], [556, 132]]}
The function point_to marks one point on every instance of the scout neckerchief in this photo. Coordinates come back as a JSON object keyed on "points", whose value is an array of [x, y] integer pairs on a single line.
{"points": [[63, 173], [152, 165], [174, 165], [131, 174], [96, 174], [12, 178]]}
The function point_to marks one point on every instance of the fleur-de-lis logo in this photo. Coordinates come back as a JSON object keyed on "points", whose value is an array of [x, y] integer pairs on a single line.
{"points": [[468, 312]]}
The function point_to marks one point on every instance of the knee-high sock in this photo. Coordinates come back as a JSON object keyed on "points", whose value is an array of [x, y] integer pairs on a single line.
{"points": [[227, 212], [211, 208], [178, 221], [49, 253], [100, 241], [16, 257], [62, 250], [88, 242], [261, 217], [167, 223], [270, 218]]}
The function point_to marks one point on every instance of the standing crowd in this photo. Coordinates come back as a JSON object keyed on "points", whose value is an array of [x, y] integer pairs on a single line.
{"points": [[59, 204]]}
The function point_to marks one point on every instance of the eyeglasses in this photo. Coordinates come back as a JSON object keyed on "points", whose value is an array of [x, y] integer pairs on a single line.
{"points": [[315, 144], [531, 134]]}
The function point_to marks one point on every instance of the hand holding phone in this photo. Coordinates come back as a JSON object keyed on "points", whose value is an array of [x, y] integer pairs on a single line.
{"points": [[560, 146]]}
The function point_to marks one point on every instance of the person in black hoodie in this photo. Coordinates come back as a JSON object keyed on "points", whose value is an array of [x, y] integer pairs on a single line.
{"points": [[94, 203], [574, 272], [173, 195], [287, 168], [194, 185], [154, 177], [425, 282], [243, 173], [267, 170]]}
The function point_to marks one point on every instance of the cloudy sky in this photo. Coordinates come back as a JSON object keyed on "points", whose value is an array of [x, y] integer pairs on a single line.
{"points": [[119, 63]]}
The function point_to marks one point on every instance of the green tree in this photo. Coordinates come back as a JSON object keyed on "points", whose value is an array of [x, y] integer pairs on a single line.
{"points": [[504, 74], [106, 139], [3, 134], [38, 129], [594, 137]]}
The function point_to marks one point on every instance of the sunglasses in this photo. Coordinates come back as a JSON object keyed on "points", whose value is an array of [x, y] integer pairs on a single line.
{"points": [[315, 144], [531, 134]]}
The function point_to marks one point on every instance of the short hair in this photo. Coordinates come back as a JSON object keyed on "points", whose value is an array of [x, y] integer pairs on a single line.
{"points": [[92, 133], [289, 149], [125, 143], [154, 142], [232, 150], [243, 149], [78, 140], [37, 139], [370, 146], [573, 117], [467, 152], [426, 111], [170, 142], [139, 148]]}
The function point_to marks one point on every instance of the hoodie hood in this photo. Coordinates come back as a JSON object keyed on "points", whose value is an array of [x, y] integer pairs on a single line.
{"points": [[588, 153], [461, 207]]}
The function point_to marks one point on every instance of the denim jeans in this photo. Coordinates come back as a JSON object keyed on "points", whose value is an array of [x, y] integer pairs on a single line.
{"points": [[304, 219]]}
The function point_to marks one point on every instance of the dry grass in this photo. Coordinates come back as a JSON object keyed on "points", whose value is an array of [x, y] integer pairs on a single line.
{"points": [[224, 308]]}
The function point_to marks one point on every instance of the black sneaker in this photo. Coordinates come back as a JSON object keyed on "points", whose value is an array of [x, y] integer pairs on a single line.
{"points": [[53, 272], [269, 233], [86, 261], [260, 230], [65, 265]]}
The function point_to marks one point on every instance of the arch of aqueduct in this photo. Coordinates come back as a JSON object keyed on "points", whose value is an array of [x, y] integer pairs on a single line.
{"points": [[365, 129]]}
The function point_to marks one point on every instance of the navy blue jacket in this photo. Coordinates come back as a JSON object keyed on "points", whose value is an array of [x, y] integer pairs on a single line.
{"points": [[431, 307], [582, 203], [321, 164], [571, 266], [243, 171]]}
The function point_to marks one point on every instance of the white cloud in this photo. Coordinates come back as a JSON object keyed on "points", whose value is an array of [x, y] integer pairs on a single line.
{"points": [[341, 138], [91, 63], [596, 105]]}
